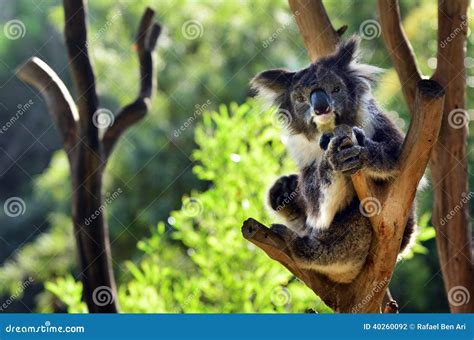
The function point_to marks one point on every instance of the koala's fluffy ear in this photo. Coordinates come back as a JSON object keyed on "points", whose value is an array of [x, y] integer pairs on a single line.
{"points": [[346, 57], [347, 52], [271, 85]]}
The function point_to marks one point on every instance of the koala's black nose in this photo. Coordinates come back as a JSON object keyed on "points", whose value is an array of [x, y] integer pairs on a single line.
{"points": [[320, 102]]}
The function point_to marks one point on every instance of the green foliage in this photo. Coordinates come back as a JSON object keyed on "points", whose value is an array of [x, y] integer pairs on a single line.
{"points": [[425, 233], [70, 292], [48, 257], [199, 261]]}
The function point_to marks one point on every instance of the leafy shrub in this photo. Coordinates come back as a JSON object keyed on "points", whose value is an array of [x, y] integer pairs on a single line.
{"points": [[198, 261]]}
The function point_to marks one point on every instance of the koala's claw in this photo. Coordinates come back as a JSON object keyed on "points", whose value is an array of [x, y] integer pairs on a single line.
{"points": [[359, 135], [345, 154], [339, 143], [348, 161], [351, 166]]}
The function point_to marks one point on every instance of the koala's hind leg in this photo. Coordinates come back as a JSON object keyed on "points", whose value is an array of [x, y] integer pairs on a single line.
{"points": [[339, 251], [286, 201]]}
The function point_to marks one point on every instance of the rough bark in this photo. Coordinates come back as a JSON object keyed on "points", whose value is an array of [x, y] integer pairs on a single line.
{"points": [[87, 153], [366, 292], [448, 162], [319, 36]]}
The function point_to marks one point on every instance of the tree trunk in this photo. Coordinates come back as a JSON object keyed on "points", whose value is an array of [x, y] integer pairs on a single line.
{"points": [[87, 152], [449, 161]]}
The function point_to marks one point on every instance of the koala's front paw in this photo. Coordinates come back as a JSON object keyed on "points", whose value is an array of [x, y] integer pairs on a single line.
{"points": [[283, 197], [347, 154]]}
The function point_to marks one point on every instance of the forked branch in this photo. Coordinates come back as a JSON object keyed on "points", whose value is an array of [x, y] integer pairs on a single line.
{"points": [[147, 36]]}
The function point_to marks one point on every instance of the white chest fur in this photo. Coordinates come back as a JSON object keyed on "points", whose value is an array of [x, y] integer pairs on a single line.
{"points": [[302, 150], [332, 199]]}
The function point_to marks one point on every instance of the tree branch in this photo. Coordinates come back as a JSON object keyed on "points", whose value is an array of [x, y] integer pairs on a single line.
{"points": [[422, 135], [58, 99], [75, 30], [147, 36], [318, 34], [400, 50]]}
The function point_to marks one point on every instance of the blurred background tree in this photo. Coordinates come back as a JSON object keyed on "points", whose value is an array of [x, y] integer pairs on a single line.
{"points": [[207, 54]]}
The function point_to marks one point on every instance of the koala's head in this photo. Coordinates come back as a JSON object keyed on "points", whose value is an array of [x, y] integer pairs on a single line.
{"points": [[330, 92]]}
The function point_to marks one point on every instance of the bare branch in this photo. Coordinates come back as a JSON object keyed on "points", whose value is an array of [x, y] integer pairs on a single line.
{"points": [[60, 103], [87, 169], [400, 50], [147, 36], [272, 244], [82, 73], [422, 135], [318, 34], [396, 205]]}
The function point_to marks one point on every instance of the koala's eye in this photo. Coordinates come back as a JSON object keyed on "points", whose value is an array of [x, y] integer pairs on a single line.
{"points": [[336, 89], [300, 98]]}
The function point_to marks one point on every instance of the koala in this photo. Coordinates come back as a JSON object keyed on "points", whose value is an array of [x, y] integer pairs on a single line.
{"points": [[333, 128]]}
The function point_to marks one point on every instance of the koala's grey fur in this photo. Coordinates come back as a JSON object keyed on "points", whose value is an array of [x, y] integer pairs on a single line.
{"points": [[326, 230]]}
